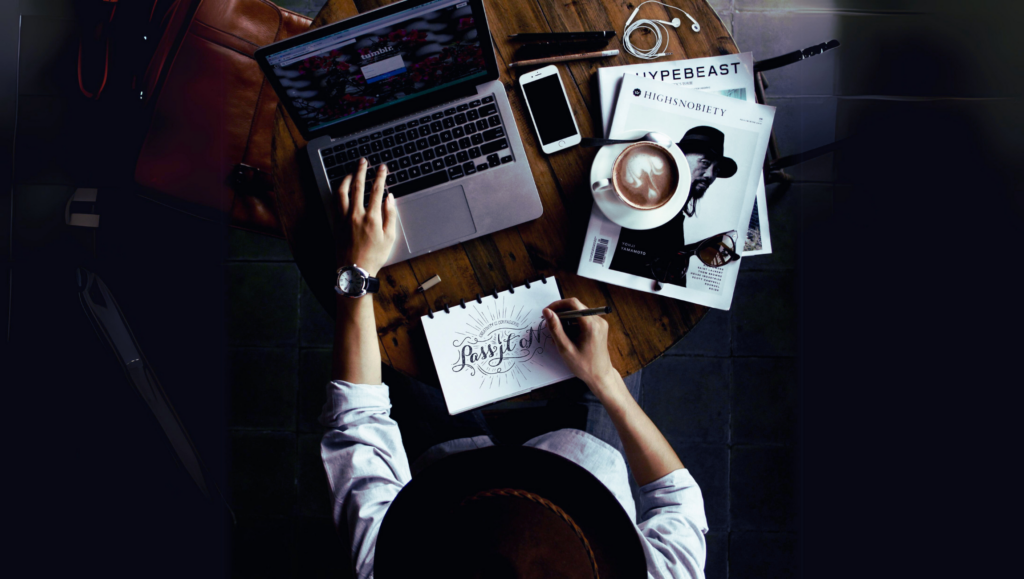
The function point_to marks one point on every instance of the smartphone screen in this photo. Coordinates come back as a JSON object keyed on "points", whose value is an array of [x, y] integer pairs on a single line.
{"points": [[550, 109]]}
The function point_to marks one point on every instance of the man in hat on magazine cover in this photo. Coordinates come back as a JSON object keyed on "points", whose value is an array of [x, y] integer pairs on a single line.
{"points": [[645, 252], [558, 505]]}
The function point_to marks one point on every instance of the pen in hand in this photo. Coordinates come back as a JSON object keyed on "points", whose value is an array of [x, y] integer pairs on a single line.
{"points": [[573, 314]]}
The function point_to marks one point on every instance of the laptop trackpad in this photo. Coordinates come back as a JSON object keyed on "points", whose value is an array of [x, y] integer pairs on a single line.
{"points": [[434, 219]]}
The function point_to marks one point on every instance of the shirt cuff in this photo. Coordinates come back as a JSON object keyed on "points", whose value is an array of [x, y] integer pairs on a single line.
{"points": [[347, 402], [675, 492]]}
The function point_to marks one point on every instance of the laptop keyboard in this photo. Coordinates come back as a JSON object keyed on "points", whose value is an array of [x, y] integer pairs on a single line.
{"points": [[435, 148]]}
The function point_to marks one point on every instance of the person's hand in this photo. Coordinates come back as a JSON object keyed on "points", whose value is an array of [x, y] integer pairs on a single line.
{"points": [[587, 354], [365, 236]]}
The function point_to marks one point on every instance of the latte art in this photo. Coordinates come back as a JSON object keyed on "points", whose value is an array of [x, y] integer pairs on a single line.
{"points": [[645, 176], [641, 171]]}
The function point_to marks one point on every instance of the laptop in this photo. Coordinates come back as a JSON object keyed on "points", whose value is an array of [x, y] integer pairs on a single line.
{"points": [[414, 85]]}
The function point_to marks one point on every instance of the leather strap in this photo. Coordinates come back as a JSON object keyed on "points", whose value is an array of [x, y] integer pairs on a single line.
{"points": [[100, 35], [372, 285]]}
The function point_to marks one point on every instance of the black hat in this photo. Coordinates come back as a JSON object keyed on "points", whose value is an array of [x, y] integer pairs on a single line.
{"points": [[710, 142], [507, 511]]}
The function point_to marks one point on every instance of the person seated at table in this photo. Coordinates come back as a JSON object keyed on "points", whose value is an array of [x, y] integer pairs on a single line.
{"points": [[558, 505]]}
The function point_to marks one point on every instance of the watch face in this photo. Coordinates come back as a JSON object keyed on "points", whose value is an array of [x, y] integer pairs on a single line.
{"points": [[351, 281], [346, 283]]}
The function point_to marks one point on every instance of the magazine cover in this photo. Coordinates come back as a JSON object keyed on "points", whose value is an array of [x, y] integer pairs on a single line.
{"points": [[724, 141], [730, 75]]}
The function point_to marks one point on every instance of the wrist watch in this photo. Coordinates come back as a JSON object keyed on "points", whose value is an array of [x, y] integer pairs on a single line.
{"points": [[355, 282]]}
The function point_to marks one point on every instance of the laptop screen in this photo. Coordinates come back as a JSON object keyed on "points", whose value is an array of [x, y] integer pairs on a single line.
{"points": [[380, 64]]}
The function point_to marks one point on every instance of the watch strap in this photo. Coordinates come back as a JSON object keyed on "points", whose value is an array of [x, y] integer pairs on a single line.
{"points": [[372, 285]]}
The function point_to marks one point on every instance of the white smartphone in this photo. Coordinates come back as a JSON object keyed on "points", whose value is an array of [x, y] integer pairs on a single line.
{"points": [[549, 110]]}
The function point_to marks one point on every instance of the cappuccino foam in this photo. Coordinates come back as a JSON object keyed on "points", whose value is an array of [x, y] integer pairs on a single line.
{"points": [[646, 176]]}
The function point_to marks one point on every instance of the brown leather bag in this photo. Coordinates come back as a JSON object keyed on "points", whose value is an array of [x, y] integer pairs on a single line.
{"points": [[207, 149]]}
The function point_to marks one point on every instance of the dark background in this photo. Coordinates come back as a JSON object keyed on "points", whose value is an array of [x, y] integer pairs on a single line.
{"points": [[845, 416]]}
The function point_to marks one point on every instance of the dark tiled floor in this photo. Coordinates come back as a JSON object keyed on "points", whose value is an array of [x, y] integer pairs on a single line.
{"points": [[319, 551], [314, 372], [711, 337], [789, 208], [689, 398], [764, 315], [314, 490], [316, 328], [716, 566], [762, 488], [765, 401], [263, 473], [263, 547], [244, 246], [263, 387], [754, 555], [263, 307]]}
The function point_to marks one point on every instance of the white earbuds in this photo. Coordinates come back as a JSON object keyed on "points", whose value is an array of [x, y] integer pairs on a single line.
{"points": [[675, 22], [654, 26]]}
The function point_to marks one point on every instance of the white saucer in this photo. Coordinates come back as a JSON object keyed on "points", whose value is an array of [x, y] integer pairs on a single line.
{"points": [[624, 215]]}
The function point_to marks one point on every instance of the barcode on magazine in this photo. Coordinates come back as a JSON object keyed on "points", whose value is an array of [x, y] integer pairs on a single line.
{"points": [[600, 251]]}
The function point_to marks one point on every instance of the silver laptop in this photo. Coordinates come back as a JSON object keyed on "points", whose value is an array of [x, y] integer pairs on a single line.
{"points": [[414, 85]]}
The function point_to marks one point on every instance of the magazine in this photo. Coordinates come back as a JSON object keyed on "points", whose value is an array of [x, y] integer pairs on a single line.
{"points": [[734, 136], [730, 75]]}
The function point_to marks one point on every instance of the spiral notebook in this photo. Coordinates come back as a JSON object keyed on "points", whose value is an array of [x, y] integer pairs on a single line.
{"points": [[496, 346]]}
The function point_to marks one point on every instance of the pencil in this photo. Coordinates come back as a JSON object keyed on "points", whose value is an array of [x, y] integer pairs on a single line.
{"points": [[564, 58], [570, 315]]}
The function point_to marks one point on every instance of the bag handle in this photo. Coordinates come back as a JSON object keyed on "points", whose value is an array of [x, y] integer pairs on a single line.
{"points": [[100, 32]]}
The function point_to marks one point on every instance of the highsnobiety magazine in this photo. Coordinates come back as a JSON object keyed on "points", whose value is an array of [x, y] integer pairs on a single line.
{"points": [[714, 130]]}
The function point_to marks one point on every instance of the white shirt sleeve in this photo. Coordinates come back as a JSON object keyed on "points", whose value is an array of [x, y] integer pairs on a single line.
{"points": [[365, 462], [672, 524]]}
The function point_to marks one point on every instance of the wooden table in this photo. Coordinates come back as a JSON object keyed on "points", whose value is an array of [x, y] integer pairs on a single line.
{"points": [[643, 325]]}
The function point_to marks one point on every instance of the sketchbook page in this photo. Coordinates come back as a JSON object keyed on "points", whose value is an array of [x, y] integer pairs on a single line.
{"points": [[496, 348]]}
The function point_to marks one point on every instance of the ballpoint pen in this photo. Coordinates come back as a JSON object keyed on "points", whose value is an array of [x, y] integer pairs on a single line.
{"points": [[558, 36], [573, 314]]}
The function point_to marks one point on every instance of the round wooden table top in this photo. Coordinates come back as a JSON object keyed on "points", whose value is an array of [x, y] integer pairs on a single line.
{"points": [[642, 325]]}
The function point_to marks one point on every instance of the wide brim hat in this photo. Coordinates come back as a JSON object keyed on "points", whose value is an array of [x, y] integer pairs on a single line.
{"points": [[710, 142], [501, 512]]}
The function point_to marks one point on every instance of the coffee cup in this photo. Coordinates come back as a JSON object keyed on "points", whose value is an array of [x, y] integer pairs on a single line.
{"points": [[645, 176]]}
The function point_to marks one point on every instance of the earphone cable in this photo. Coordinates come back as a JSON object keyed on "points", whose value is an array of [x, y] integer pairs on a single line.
{"points": [[655, 26]]}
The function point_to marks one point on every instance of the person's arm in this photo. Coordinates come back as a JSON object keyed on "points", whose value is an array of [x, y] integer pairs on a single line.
{"points": [[365, 238], [650, 456], [362, 449], [671, 509]]}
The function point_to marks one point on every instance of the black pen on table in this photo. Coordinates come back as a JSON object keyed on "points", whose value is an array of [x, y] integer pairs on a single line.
{"points": [[573, 314], [561, 36]]}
